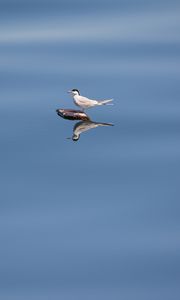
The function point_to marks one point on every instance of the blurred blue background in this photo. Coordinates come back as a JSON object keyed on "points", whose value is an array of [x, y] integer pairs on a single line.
{"points": [[99, 218]]}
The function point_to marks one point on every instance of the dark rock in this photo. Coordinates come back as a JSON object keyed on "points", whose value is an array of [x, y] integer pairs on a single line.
{"points": [[72, 114]]}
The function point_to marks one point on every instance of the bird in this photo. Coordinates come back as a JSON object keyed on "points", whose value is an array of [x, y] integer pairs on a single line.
{"points": [[85, 102], [83, 126]]}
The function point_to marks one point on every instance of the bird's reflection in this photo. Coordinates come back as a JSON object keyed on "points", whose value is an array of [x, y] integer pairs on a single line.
{"points": [[84, 126]]}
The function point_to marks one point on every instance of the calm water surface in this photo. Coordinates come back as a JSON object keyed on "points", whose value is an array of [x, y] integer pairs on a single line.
{"points": [[97, 218]]}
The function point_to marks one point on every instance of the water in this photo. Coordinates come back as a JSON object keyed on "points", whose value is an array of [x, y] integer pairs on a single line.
{"points": [[97, 218]]}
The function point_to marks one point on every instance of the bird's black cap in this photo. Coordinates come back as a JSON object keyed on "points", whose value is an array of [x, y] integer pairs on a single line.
{"points": [[76, 90]]}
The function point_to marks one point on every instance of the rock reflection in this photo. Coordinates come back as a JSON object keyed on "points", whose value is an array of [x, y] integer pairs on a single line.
{"points": [[84, 126]]}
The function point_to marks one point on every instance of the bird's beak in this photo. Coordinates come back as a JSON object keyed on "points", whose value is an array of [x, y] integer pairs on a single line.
{"points": [[69, 91]]}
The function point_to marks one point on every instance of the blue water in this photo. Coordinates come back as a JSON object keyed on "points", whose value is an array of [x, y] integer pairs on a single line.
{"points": [[97, 218]]}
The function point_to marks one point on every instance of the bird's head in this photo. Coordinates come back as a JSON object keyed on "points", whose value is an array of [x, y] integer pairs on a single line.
{"points": [[75, 137], [74, 92]]}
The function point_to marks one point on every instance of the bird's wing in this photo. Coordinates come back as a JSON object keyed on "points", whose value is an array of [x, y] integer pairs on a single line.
{"points": [[86, 100]]}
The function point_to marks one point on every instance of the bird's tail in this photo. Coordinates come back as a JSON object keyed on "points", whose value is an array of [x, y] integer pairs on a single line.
{"points": [[104, 124], [105, 102]]}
